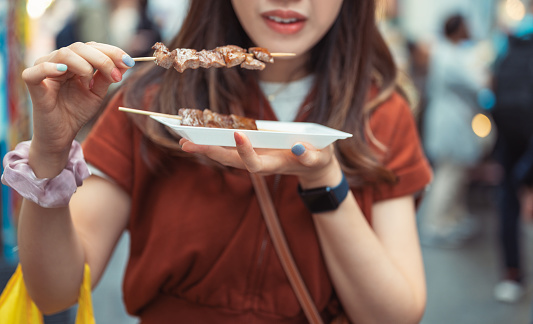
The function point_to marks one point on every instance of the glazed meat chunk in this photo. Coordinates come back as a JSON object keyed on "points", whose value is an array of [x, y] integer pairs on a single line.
{"points": [[162, 55]]}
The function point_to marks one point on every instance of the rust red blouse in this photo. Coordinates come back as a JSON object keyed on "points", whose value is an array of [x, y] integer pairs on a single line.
{"points": [[200, 251]]}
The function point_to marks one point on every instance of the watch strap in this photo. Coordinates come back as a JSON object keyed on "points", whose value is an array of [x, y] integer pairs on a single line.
{"points": [[342, 189], [324, 199]]}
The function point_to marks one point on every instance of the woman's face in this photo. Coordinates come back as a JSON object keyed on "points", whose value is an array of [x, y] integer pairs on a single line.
{"points": [[291, 26]]}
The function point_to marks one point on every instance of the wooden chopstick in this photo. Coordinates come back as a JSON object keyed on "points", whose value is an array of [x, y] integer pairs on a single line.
{"points": [[148, 113], [152, 58]]}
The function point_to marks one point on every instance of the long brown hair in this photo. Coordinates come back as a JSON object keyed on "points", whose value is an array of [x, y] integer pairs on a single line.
{"points": [[352, 55]]}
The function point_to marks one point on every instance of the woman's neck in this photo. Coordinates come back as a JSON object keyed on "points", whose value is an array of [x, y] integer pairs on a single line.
{"points": [[285, 70]]}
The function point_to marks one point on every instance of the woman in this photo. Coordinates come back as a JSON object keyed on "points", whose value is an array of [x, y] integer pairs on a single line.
{"points": [[199, 248]]}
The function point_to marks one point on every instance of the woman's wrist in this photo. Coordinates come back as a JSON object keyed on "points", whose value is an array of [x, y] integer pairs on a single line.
{"points": [[329, 176], [46, 164], [324, 192]]}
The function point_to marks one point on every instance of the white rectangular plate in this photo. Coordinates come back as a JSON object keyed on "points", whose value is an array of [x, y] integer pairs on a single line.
{"points": [[271, 134]]}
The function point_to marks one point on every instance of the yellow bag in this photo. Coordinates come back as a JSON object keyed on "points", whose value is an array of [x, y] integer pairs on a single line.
{"points": [[16, 306]]}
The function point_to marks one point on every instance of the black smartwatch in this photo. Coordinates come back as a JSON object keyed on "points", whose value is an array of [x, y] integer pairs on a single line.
{"points": [[324, 199]]}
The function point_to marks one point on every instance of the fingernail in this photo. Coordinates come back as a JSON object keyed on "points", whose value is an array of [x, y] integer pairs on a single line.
{"points": [[238, 139], [298, 149], [128, 60], [116, 75], [61, 67]]}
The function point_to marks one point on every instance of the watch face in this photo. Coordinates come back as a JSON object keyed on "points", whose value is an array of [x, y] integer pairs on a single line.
{"points": [[320, 199]]}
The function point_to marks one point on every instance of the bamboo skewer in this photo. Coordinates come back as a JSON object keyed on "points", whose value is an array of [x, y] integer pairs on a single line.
{"points": [[144, 59], [152, 58], [151, 113], [282, 54], [148, 113]]}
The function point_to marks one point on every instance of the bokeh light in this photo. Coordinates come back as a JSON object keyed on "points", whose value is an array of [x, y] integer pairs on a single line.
{"points": [[481, 125], [515, 9], [36, 8]]}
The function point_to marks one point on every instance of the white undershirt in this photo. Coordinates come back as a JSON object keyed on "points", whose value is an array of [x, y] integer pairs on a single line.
{"points": [[286, 98], [97, 172]]}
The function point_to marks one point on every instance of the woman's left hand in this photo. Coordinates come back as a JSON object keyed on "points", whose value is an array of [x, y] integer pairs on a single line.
{"points": [[303, 160]]}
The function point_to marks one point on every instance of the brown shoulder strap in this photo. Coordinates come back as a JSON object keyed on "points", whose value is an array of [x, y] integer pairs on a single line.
{"points": [[282, 249]]}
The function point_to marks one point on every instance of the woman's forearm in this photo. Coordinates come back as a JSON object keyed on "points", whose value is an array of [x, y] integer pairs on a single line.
{"points": [[371, 285], [51, 256]]}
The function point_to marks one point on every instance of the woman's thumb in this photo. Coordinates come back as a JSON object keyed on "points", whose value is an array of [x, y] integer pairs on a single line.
{"points": [[306, 155], [298, 149]]}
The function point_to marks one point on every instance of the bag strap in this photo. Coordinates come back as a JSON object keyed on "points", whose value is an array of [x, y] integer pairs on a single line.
{"points": [[282, 249]]}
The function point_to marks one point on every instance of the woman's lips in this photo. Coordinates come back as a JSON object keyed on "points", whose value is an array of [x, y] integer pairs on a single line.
{"points": [[284, 21]]}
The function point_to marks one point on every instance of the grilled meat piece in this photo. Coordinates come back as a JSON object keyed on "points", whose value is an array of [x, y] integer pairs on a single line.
{"points": [[184, 59], [216, 120], [233, 54], [252, 64], [162, 54], [230, 48], [191, 117], [262, 54], [208, 118], [211, 59], [240, 122]]}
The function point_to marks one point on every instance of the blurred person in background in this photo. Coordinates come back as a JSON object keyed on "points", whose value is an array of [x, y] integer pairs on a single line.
{"points": [[389, 25], [450, 143], [88, 21], [124, 23], [392, 33], [131, 28], [523, 175], [513, 115], [168, 16]]}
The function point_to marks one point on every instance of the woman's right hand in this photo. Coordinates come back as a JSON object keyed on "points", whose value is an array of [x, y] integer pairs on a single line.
{"points": [[66, 93]]}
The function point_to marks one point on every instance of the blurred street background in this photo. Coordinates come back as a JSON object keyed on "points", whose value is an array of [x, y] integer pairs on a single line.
{"points": [[466, 70]]}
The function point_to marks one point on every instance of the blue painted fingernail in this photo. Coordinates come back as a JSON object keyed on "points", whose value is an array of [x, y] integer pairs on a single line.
{"points": [[298, 149], [61, 67], [128, 60]]}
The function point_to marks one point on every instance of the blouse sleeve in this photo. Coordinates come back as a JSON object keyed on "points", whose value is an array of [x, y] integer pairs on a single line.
{"points": [[394, 127]]}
